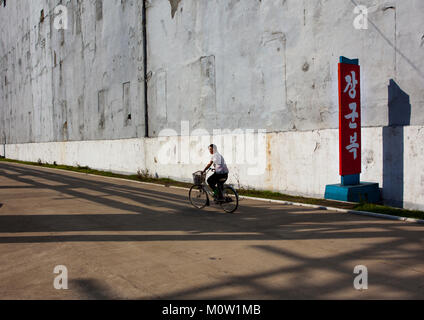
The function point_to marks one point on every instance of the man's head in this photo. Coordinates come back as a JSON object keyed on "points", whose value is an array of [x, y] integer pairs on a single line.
{"points": [[213, 149]]}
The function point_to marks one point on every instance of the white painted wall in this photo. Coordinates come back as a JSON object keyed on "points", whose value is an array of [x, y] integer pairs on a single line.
{"points": [[269, 64], [51, 79], [293, 163], [124, 156], [274, 62]]}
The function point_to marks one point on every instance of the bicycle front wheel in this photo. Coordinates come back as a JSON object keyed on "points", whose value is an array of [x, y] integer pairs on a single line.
{"points": [[198, 197], [231, 199]]}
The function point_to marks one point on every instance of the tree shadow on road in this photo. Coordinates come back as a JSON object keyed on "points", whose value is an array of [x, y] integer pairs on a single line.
{"points": [[157, 214]]}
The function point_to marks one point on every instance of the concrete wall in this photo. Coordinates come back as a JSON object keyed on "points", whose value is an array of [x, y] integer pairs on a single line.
{"points": [[76, 84], [298, 163], [272, 64], [216, 65]]}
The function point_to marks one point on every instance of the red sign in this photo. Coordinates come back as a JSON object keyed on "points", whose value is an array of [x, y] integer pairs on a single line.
{"points": [[349, 119]]}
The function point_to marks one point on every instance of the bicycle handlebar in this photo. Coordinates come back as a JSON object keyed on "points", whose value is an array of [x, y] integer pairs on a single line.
{"points": [[210, 169]]}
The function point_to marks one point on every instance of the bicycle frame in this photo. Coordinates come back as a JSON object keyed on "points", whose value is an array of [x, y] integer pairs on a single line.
{"points": [[208, 192], [208, 189]]}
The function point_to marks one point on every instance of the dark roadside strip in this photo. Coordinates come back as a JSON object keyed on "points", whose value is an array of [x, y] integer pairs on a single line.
{"points": [[144, 176]]}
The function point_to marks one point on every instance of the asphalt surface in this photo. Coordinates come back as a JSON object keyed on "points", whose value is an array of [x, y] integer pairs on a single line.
{"points": [[127, 240]]}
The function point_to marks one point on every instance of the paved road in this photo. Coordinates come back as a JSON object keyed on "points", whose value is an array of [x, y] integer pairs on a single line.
{"points": [[127, 240]]}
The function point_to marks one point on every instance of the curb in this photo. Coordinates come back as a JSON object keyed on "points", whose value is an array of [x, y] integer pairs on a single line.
{"points": [[361, 213]]}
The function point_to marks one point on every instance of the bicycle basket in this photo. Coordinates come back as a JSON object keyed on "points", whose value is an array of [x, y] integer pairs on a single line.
{"points": [[198, 178]]}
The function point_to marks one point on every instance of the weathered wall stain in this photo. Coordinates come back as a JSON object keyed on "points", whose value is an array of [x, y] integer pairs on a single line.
{"points": [[174, 7], [224, 64], [43, 69]]}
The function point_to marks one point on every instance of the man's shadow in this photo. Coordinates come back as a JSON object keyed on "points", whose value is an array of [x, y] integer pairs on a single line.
{"points": [[393, 145]]}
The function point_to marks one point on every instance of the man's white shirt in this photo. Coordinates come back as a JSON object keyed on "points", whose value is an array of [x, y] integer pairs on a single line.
{"points": [[219, 163]]}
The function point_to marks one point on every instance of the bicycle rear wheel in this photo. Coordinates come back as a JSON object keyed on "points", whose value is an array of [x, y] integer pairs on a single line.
{"points": [[231, 199], [198, 197]]}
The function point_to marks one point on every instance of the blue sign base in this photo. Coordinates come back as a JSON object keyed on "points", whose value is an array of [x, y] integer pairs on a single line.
{"points": [[365, 191]]}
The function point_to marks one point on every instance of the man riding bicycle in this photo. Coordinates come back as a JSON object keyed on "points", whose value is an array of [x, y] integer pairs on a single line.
{"points": [[221, 171], [224, 195]]}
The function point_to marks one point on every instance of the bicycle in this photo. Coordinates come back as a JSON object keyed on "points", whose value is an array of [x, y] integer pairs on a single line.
{"points": [[200, 192]]}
